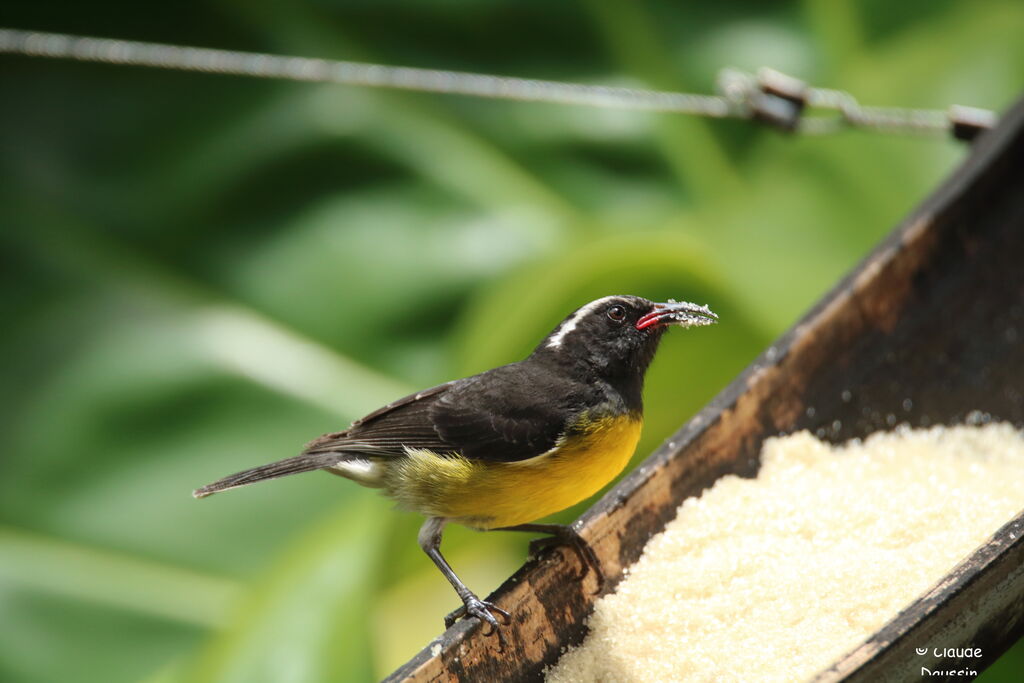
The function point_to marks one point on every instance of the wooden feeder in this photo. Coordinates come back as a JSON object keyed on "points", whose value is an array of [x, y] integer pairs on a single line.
{"points": [[927, 330]]}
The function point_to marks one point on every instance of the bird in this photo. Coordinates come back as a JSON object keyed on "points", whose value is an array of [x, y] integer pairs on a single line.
{"points": [[509, 446]]}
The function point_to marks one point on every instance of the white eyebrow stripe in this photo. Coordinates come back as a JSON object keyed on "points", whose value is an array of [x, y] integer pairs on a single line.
{"points": [[570, 324]]}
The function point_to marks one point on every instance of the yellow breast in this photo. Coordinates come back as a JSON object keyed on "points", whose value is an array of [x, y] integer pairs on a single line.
{"points": [[487, 495]]}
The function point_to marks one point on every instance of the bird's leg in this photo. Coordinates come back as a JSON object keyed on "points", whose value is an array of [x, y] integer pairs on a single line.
{"points": [[566, 535], [430, 541]]}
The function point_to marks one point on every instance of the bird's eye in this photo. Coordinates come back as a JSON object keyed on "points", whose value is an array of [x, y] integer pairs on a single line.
{"points": [[617, 313]]}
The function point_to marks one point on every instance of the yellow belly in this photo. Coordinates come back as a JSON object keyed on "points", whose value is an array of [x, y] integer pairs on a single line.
{"points": [[486, 495]]}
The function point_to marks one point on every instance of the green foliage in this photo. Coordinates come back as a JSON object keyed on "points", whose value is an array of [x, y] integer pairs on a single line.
{"points": [[200, 273]]}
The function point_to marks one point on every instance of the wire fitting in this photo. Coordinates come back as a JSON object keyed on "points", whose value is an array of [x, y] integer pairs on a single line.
{"points": [[786, 103]]}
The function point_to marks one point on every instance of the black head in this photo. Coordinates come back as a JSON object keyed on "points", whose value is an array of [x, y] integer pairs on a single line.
{"points": [[616, 336]]}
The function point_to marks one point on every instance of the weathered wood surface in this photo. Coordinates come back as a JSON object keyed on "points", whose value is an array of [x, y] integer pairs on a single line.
{"points": [[928, 329]]}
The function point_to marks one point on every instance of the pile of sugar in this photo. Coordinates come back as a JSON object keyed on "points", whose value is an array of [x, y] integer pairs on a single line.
{"points": [[774, 578]]}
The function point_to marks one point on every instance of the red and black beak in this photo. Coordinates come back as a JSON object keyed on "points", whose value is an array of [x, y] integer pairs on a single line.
{"points": [[680, 313]]}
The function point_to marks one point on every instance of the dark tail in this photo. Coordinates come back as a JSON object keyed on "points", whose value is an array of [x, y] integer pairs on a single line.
{"points": [[306, 462]]}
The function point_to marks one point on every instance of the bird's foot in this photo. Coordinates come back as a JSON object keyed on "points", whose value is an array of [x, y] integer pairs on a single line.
{"points": [[488, 613], [564, 535]]}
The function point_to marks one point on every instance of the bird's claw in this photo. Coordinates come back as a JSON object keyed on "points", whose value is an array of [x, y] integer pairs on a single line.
{"points": [[488, 613], [584, 553]]}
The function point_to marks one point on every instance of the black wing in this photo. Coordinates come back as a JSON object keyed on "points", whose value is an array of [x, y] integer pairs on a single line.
{"points": [[511, 413], [388, 430]]}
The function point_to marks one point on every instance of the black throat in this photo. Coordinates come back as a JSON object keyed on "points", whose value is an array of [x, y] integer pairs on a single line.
{"points": [[620, 370]]}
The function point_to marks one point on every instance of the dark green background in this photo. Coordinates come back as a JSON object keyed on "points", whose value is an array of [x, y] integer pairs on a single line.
{"points": [[199, 273]]}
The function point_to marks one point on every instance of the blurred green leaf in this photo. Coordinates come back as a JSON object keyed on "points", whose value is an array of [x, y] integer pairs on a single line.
{"points": [[688, 143], [46, 637], [307, 620], [46, 565]]}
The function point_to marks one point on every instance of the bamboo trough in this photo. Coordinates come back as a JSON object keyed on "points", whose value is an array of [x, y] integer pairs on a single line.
{"points": [[928, 329]]}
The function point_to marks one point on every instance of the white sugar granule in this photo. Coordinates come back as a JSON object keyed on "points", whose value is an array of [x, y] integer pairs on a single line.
{"points": [[774, 578]]}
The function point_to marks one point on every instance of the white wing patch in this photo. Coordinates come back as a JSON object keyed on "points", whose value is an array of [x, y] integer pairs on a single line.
{"points": [[570, 324], [366, 472]]}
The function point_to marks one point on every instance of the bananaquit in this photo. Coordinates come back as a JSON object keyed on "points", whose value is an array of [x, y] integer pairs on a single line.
{"points": [[503, 448]]}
